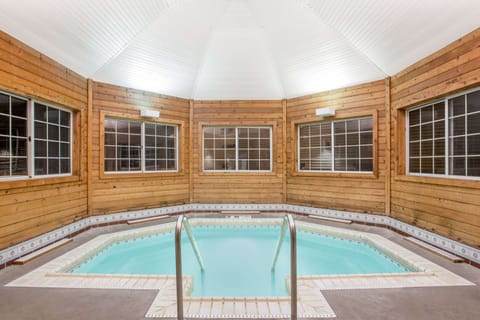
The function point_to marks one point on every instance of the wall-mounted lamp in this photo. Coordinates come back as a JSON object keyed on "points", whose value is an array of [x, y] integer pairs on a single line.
{"points": [[150, 113], [325, 112]]}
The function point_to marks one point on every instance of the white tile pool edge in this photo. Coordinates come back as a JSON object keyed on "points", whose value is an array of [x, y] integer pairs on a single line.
{"points": [[462, 250], [311, 301]]}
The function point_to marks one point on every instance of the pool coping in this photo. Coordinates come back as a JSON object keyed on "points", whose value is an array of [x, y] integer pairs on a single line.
{"points": [[311, 301]]}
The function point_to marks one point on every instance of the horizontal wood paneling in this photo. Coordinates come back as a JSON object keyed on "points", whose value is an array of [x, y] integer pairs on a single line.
{"points": [[31, 207], [449, 207], [362, 193], [119, 192], [238, 187]]}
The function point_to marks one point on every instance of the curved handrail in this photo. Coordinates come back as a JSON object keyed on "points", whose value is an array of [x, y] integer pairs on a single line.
{"points": [[288, 220], [178, 259]]}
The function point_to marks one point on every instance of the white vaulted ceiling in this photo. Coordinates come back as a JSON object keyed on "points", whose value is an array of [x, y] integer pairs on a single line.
{"points": [[238, 49]]}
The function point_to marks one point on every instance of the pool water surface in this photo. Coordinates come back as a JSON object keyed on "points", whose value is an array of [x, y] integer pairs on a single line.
{"points": [[238, 259]]}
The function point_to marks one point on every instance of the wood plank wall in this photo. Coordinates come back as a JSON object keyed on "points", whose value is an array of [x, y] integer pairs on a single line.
{"points": [[121, 192], [238, 187], [450, 207], [355, 192], [31, 207]]}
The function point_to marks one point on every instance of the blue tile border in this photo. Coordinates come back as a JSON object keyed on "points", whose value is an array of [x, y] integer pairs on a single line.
{"points": [[28, 246]]}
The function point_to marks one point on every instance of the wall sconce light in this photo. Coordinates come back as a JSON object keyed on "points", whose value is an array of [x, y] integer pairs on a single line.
{"points": [[325, 112], [150, 113]]}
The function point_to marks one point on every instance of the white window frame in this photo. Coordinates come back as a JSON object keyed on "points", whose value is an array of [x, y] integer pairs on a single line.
{"points": [[446, 137], [236, 149], [332, 136], [31, 145], [142, 148], [32, 142]]}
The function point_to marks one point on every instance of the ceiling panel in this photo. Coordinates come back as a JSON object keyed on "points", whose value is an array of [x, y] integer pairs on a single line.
{"points": [[237, 49]]}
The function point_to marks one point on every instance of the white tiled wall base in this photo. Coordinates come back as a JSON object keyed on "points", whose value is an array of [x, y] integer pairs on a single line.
{"points": [[23, 248]]}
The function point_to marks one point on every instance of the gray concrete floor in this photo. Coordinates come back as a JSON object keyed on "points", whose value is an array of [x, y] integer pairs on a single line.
{"points": [[409, 303]]}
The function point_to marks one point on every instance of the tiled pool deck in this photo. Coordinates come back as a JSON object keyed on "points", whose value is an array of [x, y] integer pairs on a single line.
{"points": [[312, 303]]}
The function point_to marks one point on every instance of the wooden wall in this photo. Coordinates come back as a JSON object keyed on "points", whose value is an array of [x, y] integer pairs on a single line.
{"points": [[446, 206], [35, 206], [450, 207], [230, 187], [123, 192], [342, 191]]}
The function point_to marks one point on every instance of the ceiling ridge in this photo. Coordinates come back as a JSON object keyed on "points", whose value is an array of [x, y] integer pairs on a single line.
{"points": [[168, 5], [268, 47], [201, 65], [344, 37]]}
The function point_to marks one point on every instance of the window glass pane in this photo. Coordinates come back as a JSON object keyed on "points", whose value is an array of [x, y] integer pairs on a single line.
{"points": [[457, 166], [65, 134], [64, 166], [40, 148], [53, 133], [40, 166], [473, 123], [426, 165], [426, 131], [40, 112], [426, 114], [473, 101], [19, 107], [53, 115], [414, 164], [457, 126], [439, 129], [456, 106], [473, 145], [4, 104], [4, 125], [19, 127], [457, 146], [64, 118], [65, 150], [473, 164], [40, 130], [439, 165], [366, 165], [53, 166], [439, 147], [414, 117], [439, 111], [19, 147], [19, 166]]}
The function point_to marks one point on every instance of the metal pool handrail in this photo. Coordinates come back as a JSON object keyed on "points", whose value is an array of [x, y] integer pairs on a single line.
{"points": [[178, 259], [288, 220]]}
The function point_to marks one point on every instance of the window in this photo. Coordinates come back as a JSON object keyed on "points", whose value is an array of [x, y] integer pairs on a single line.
{"points": [[237, 149], [123, 151], [444, 137], [336, 146], [48, 127], [51, 140]]}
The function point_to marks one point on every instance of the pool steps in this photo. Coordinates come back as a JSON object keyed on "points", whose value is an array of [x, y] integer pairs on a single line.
{"points": [[42, 251], [440, 252]]}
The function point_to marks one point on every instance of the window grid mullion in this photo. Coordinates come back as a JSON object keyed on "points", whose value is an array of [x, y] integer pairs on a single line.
{"points": [[142, 147], [236, 149], [332, 139]]}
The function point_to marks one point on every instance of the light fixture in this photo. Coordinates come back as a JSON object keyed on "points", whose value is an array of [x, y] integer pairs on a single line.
{"points": [[150, 113], [325, 112]]}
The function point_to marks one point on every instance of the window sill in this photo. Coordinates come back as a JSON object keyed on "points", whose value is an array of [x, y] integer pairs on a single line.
{"points": [[120, 175], [238, 173], [442, 181], [33, 182], [347, 175]]}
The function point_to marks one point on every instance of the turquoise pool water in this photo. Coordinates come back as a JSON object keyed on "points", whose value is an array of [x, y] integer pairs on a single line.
{"points": [[238, 259]]}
